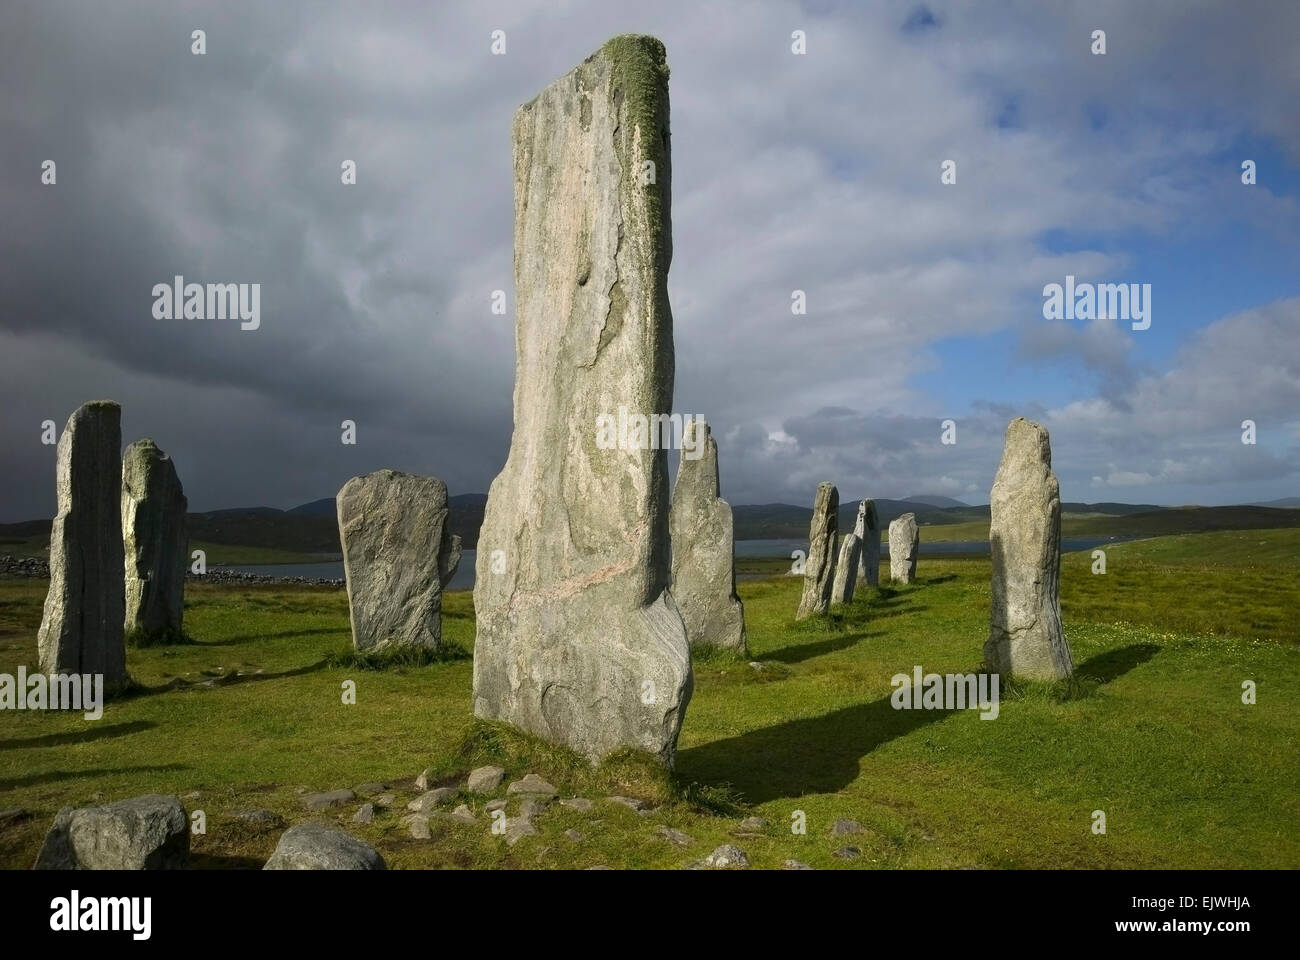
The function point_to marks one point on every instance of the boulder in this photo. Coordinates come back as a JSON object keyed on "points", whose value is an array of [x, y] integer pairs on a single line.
{"points": [[485, 779], [312, 846], [144, 833]]}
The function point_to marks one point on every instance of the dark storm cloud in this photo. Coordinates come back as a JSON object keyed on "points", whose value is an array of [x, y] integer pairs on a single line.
{"points": [[789, 173]]}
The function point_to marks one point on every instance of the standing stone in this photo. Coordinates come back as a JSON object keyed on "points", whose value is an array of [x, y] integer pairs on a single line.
{"points": [[823, 539], [703, 546], [81, 630], [868, 529], [846, 569], [153, 541], [397, 557], [579, 640], [1025, 637], [904, 544]]}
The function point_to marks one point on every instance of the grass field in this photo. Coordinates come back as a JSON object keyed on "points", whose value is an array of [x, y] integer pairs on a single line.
{"points": [[1154, 733]]}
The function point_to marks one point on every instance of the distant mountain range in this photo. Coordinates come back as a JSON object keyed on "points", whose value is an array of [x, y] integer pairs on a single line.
{"points": [[312, 528]]}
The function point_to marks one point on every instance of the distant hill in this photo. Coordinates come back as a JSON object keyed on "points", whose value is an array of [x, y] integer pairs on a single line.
{"points": [[936, 501], [1285, 503], [1111, 509], [317, 508], [313, 527], [785, 521]]}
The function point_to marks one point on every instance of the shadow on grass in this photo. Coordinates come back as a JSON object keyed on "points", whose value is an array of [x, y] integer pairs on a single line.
{"points": [[253, 638], [799, 652], [1105, 667], [56, 776], [228, 680], [80, 736], [214, 861], [815, 755], [942, 578], [822, 754]]}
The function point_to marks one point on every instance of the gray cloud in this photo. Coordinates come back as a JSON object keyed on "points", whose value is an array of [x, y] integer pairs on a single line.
{"points": [[816, 173]]}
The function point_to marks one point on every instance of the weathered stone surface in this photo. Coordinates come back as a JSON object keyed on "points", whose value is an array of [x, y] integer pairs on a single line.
{"points": [[397, 556], [517, 828], [311, 846], [327, 800], [143, 833], [533, 807], [418, 825], [726, 857], [753, 825], [846, 569], [823, 541], [425, 802], [1025, 636], [153, 540], [365, 813], [534, 784], [85, 608], [578, 638], [676, 837], [463, 814], [485, 779], [904, 542], [842, 827], [704, 548], [795, 865], [581, 804], [867, 529]]}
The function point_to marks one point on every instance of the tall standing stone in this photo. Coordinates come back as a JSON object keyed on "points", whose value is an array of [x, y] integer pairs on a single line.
{"points": [[703, 547], [578, 638], [1025, 636], [398, 555], [846, 576], [868, 529], [153, 540], [904, 544], [823, 539], [81, 629]]}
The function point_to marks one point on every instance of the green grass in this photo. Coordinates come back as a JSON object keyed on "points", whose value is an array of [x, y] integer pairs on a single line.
{"points": [[1153, 731]]}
